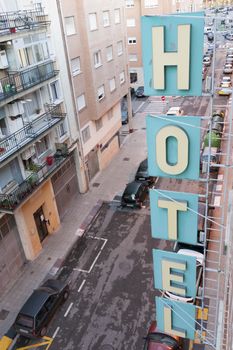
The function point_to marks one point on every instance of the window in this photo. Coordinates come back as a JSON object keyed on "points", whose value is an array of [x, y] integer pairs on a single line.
{"points": [[92, 21], [81, 102], [117, 16], [62, 129], [133, 57], [100, 92], [130, 22], [109, 53], [97, 59], [133, 77], [42, 146], [86, 134], [132, 40], [98, 124], [70, 25], [129, 3], [112, 84], [150, 3], [122, 77], [55, 91], [106, 18], [38, 53], [26, 57], [75, 65], [119, 48]]}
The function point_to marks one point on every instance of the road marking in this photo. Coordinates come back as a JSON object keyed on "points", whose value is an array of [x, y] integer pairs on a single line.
{"points": [[55, 333], [139, 107], [68, 310], [82, 284], [93, 264]]}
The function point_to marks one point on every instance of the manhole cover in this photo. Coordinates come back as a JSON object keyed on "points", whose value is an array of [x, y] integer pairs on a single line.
{"points": [[3, 314], [126, 159], [95, 184], [125, 266], [107, 347]]}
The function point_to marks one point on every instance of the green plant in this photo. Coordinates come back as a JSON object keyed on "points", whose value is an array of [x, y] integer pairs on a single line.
{"points": [[215, 140], [34, 167]]}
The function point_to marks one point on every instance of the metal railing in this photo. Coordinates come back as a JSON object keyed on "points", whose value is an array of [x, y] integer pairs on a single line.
{"points": [[17, 82], [9, 201], [30, 132], [11, 22]]}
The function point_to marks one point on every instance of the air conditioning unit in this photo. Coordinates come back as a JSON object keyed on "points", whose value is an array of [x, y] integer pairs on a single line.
{"points": [[3, 60]]}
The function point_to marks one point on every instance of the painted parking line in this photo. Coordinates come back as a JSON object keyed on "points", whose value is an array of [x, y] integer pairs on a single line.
{"points": [[97, 256], [82, 284], [68, 310], [55, 333]]}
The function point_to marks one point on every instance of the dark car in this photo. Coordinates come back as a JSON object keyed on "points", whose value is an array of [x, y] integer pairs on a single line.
{"points": [[157, 340], [210, 36], [140, 91], [134, 194], [33, 318], [229, 36], [124, 117], [142, 173]]}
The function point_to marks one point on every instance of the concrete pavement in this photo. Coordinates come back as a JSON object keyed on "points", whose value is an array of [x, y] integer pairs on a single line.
{"points": [[104, 187]]}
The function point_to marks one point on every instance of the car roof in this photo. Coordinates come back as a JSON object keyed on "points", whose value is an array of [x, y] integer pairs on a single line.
{"points": [[132, 187], [35, 302]]}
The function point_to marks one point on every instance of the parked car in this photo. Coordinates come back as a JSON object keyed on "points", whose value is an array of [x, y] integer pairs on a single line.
{"points": [[219, 112], [140, 91], [157, 340], [175, 111], [226, 81], [199, 265], [214, 158], [134, 194], [33, 318], [210, 36], [142, 173], [228, 68], [229, 36], [207, 61], [224, 90], [124, 117], [207, 30]]}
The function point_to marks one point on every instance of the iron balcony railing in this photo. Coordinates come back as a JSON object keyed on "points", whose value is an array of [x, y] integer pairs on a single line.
{"points": [[12, 22], [10, 201], [17, 82], [31, 131]]}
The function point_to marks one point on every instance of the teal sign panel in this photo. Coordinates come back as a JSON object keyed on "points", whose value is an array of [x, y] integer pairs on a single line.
{"points": [[191, 127], [188, 275], [182, 315], [187, 221], [170, 38]]}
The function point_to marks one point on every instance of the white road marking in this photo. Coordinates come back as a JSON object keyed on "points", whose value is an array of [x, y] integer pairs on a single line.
{"points": [[68, 310], [219, 188], [217, 201], [93, 264], [82, 284], [55, 333], [139, 107]]}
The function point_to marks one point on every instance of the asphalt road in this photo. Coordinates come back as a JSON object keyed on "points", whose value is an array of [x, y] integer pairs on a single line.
{"points": [[111, 303]]}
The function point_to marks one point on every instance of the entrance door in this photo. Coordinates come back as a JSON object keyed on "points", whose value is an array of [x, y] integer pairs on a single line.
{"points": [[40, 223]]}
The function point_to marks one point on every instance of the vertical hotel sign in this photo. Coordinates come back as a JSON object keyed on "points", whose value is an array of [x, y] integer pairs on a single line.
{"points": [[172, 57]]}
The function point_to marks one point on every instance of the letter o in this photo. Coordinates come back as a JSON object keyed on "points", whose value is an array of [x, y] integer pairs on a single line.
{"points": [[182, 149]]}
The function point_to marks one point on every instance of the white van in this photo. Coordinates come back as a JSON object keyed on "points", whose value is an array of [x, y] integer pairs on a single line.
{"points": [[175, 111], [207, 30]]}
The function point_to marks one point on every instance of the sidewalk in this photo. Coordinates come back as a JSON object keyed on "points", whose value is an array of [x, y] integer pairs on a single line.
{"points": [[108, 183]]}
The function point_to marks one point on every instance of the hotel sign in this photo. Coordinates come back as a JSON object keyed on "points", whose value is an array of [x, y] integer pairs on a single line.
{"points": [[172, 55], [172, 58]]}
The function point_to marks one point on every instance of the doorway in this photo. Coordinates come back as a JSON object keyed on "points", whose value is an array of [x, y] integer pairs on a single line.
{"points": [[41, 223]]}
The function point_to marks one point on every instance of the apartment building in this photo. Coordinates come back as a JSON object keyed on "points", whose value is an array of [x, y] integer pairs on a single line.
{"points": [[137, 8], [63, 73]]}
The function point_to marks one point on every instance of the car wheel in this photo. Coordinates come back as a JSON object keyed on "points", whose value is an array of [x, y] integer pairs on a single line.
{"points": [[43, 332], [66, 295]]}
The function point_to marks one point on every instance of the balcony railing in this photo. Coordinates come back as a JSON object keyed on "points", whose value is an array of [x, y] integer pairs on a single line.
{"points": [[12, 22], [10, 201], [31, 131], [17, 82]]}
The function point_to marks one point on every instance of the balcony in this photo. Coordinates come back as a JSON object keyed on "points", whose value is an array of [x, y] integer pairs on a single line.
{"points": [[30, 132], [10, 201], [13, 22], [17, 82]]}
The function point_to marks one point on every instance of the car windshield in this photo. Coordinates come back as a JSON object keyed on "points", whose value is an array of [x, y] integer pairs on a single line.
{"points": [[162, 338], [25, 321]]}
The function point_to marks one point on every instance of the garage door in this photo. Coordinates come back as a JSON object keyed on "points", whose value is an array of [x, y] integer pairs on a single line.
{"points": [[65, 185]]}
